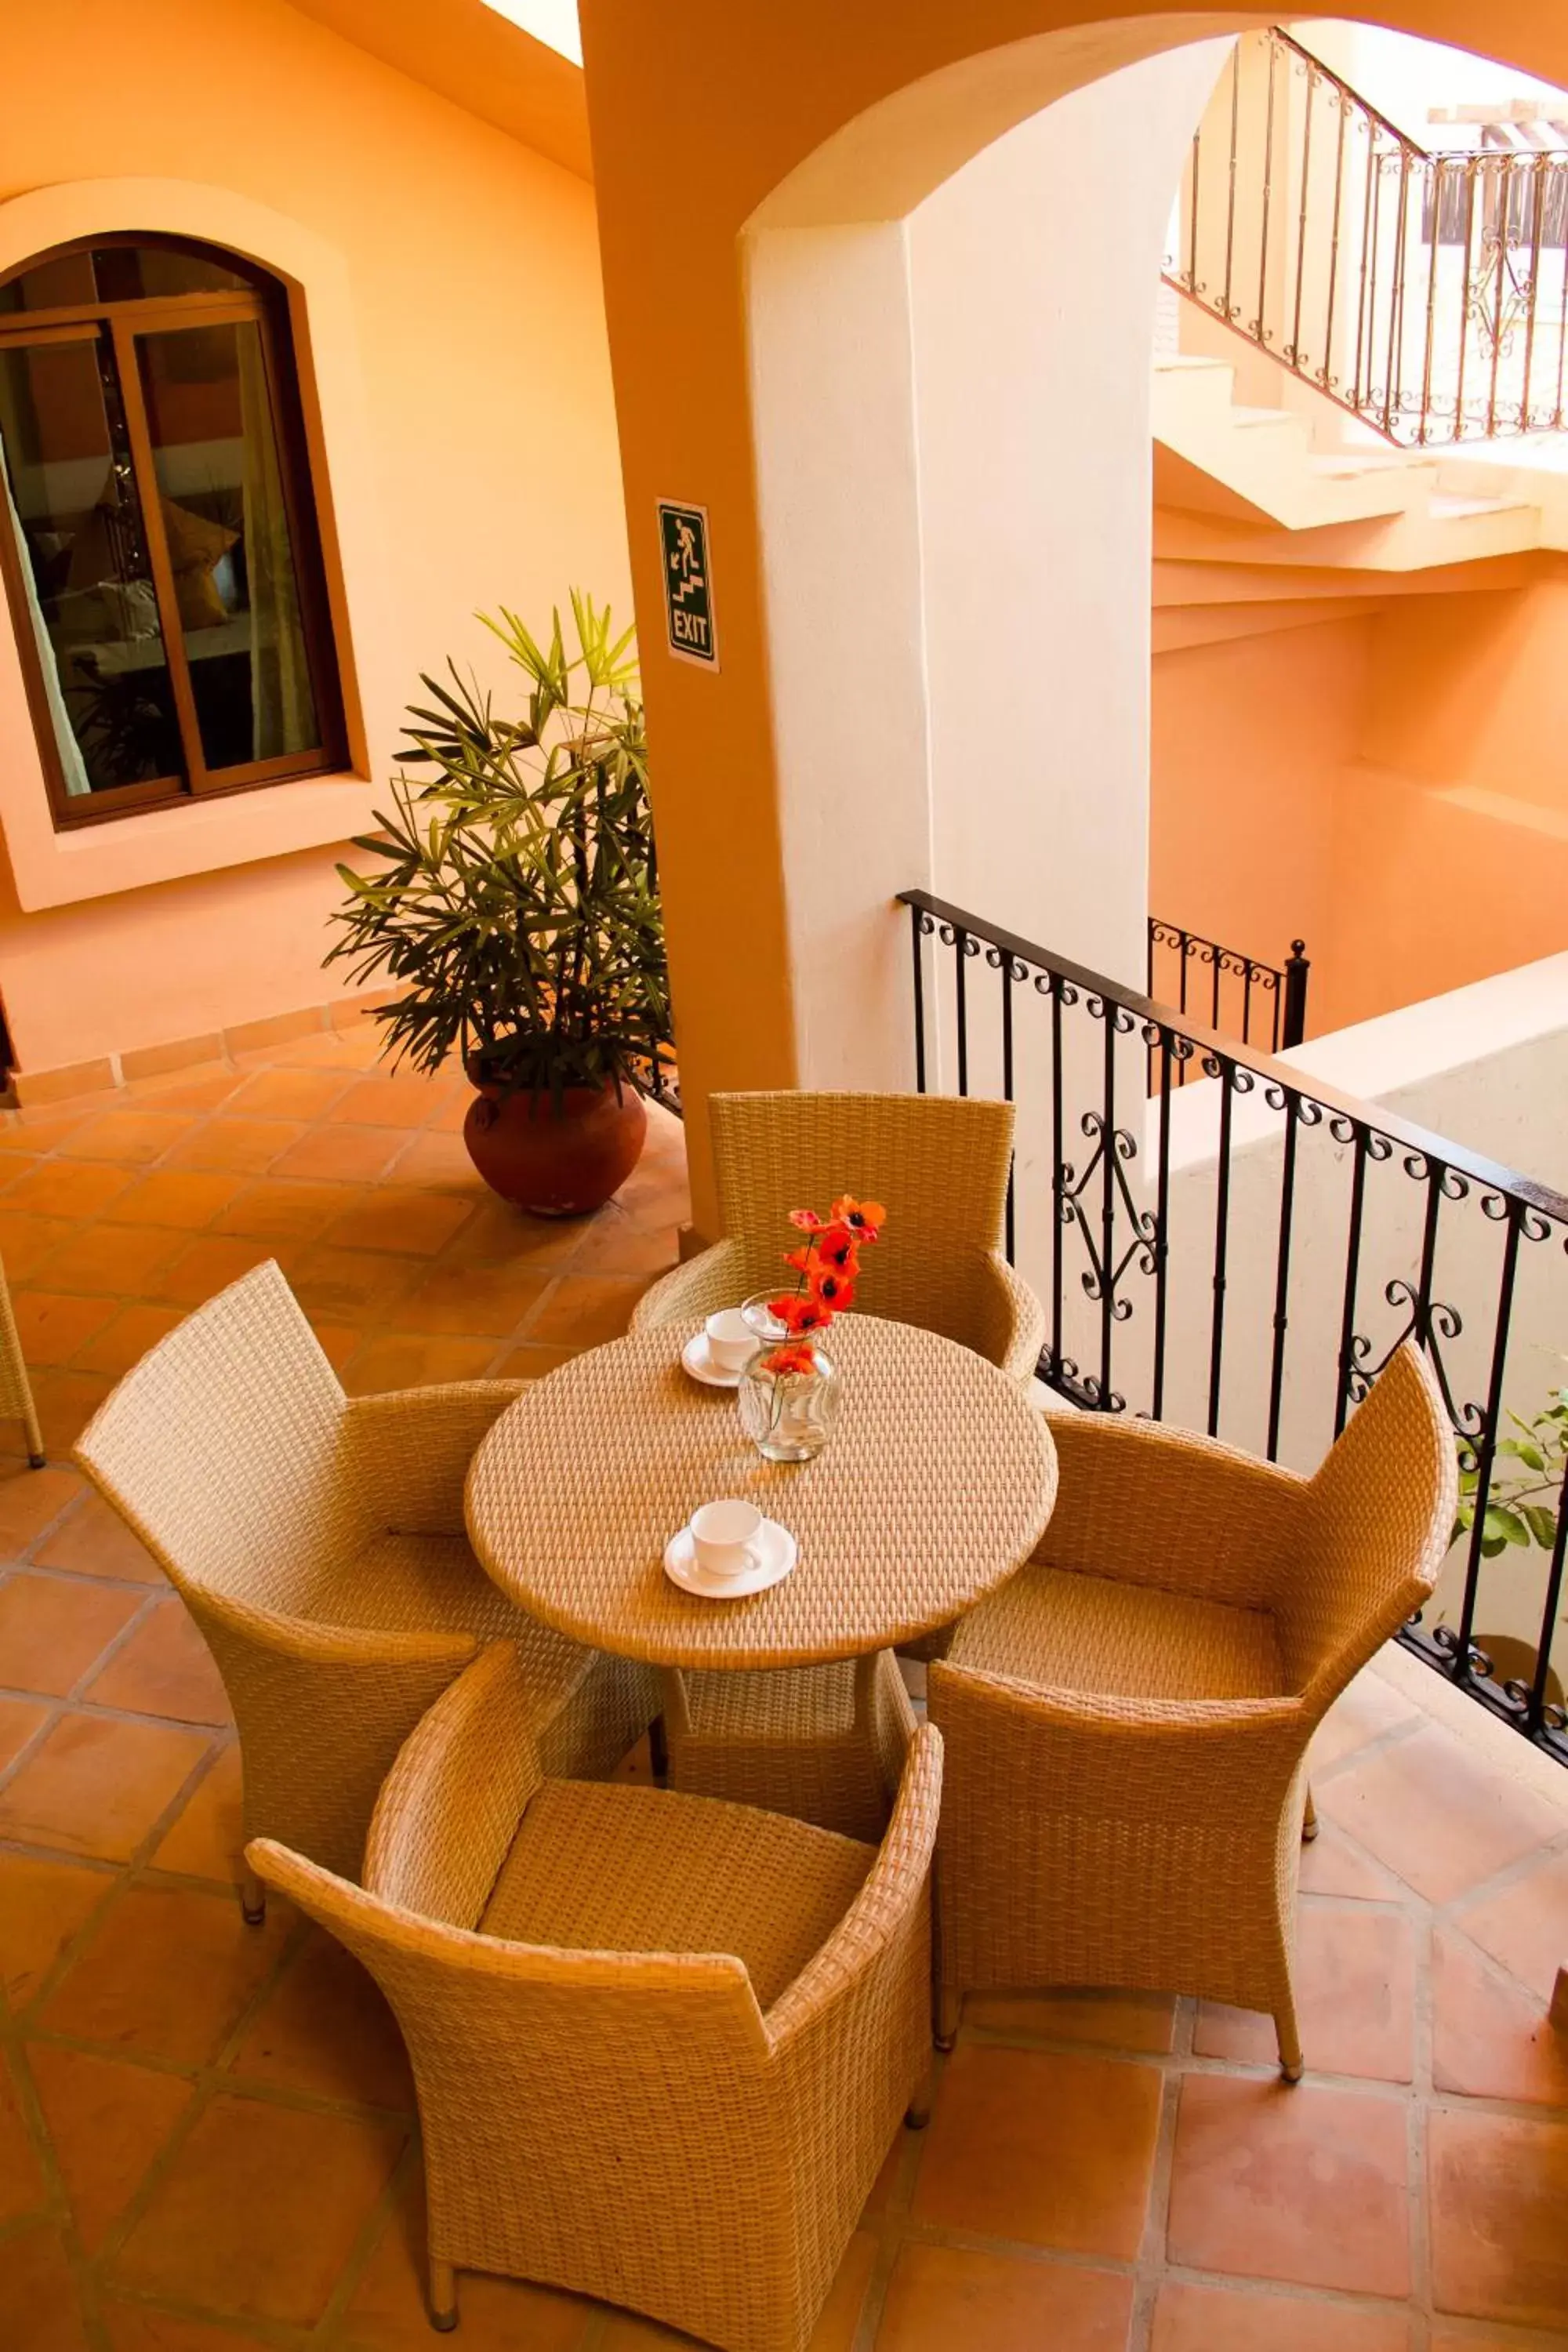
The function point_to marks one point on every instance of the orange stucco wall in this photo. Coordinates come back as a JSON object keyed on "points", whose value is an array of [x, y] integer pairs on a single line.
{"points": [[697, 114], [1390, 787], [477, 453]]}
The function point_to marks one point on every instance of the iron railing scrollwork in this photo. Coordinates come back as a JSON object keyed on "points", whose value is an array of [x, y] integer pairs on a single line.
{"points": [[1243, 1255], [1424, 292], [1258, 1003]]}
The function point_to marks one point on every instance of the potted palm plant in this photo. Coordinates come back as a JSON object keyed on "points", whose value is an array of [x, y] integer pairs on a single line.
{"points": [[514, 901]]}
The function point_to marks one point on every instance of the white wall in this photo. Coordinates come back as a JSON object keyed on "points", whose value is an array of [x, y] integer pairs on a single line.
{"points": [[952, 419]]}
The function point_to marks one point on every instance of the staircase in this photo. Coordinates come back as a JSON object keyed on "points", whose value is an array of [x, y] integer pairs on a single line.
{"points": [[1425, 294]]}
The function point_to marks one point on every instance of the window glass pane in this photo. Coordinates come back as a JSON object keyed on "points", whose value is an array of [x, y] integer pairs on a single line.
{"points": [[117, 273], [215, 449], [72, 509], [51, 285]]}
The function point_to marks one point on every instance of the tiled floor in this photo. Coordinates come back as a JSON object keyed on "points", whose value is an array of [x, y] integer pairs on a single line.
{"points": [[205, 2136]]}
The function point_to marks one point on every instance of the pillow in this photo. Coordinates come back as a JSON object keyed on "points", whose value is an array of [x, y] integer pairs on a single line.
{"points": [[195, 547]]}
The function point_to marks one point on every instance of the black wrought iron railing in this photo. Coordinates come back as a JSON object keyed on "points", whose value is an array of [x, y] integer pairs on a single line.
{"points": [[1259, 1003], [1428, 293], [1243, 1254]]}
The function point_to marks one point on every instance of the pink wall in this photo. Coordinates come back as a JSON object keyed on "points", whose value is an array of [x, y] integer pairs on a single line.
{"points": [[482, 455], [1391, 788]]}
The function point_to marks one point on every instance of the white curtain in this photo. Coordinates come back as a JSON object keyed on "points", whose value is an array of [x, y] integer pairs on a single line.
{"points": [[65, 734]]}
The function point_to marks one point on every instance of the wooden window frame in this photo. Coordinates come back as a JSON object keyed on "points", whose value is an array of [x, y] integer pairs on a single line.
{"points": [[120, 324]]}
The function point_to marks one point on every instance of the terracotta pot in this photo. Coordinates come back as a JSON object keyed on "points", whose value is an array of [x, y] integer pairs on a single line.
{"points": [[556, 1162]]}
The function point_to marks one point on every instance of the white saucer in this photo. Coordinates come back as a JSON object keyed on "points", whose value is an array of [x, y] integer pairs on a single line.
{"points": [[701, 1367], [777, 1552]]}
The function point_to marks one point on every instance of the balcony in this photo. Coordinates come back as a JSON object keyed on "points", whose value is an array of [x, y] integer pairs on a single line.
{"points": [[206, 2132]]}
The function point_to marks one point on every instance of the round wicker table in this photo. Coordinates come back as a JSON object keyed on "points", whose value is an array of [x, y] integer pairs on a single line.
{"points": [[936, 1485]]}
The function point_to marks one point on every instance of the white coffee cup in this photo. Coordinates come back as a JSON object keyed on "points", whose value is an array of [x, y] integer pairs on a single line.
{"points": [[724, 1538], [730, 1339]]}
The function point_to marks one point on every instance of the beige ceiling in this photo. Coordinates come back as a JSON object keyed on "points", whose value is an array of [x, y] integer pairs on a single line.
{"points": [[477, 59]]}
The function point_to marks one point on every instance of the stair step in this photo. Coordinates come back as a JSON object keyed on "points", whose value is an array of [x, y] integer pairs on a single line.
{"points": [[1252, 420], [1169, 363], [1342, 467], [1445, 507]]}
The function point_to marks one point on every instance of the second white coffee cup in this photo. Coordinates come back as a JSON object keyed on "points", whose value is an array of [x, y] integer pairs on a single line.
{"points": [[724, 1538], [730, 1339]]}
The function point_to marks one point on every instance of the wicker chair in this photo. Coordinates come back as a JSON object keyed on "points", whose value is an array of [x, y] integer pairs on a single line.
{"points": [[318, 1541], [660, 2042], [939, 1163], [1127, 1721], [15, 1389], [820, 1744]]}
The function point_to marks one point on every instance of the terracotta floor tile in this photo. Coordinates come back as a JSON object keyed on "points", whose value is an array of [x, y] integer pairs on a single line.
{"points": [[531, 1363], [43, 1904], [29, 1500], [1302, 2183], [1526, 1926], [1355, 1992], [1222, 2319], [183, 1198], [471, 1300], [258, 2210], [1499, 2190], [405, 1101], [42, 1129], [388, 2311], [283, 1209], [1370, 1707], [344, 1155], [94, 1540], [126, 1341], [613, 1245], [337, 1341], [238, 1146], [205, 1266], [38, 2311], [1108, 2021], [1429, 1808], [113, 1261], [53, 1326], [585, 1308], [441, 1162], [503, 1235], [411, 1360], [76, 1189], [164, 1668], [1491, 2039], [26, 1242], [23, 2189], [19, 1719], [1051, 2151], [418, 1223], [325, 2028], [206, 1838], [166, 1974], [107, 2121], [66, 1400], [200, 1088], [140, 2327], [131, 1138], [1331, 1864], [362, 1287], [52, 1628], [289, 1094], [94, 1786], [940, 2297]]}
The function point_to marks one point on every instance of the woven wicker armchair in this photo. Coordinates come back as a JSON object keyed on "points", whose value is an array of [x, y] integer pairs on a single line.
{"points": [[15, 1389], [940, 1164], [318, 1541], [660, 2042], [1127, 1720], [826, 1743]]}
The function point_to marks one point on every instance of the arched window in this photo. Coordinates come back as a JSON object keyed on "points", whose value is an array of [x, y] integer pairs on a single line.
{"points": [[158, 537]]}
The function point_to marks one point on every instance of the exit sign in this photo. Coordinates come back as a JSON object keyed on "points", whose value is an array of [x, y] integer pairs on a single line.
{"points": [[688, 583]]}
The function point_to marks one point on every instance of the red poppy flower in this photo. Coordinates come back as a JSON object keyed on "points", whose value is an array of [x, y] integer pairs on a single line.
{"points": [[831, 1289], [802, 1260], [865, 1219], [790, 1359], [838, 1246], [807, 1220], [800, 1314]]}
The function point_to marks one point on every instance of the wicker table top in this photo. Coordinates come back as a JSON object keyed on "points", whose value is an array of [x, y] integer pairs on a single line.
{"points": [[937, 1483]]}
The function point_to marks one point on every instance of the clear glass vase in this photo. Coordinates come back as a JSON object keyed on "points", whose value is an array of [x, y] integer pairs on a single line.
{"points": [[788, 1416]]}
